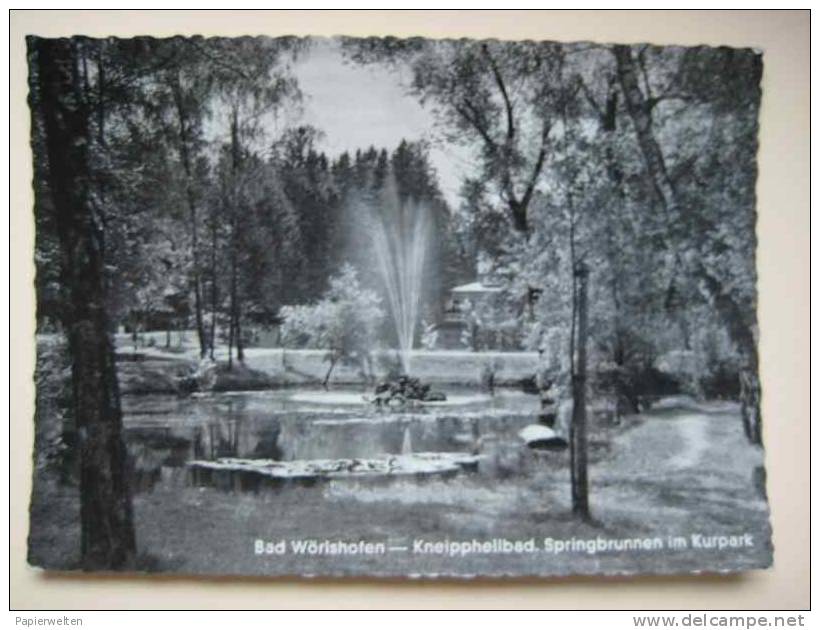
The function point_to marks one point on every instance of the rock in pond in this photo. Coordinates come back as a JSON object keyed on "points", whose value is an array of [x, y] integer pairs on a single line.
{"points": [[403, 391]]}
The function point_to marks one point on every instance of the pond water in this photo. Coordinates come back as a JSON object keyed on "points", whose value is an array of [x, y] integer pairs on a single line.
{"points": [[165, 433]]}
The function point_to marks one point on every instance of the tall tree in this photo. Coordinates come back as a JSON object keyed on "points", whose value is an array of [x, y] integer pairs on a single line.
{"points": [[108, 539], [253, 81], [305, 180], [632, 291], [188, 81], [737, 314]]}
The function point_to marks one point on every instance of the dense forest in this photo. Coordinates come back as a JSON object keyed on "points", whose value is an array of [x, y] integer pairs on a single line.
{"points": [[611, 200], [231, 228]]}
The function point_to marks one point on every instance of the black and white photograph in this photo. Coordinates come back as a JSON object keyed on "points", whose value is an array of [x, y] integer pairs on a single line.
{"points": [[395, 307]]}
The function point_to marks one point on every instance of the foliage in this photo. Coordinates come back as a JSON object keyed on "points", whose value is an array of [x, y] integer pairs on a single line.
{"points": [[343, 321], [492, 323]]}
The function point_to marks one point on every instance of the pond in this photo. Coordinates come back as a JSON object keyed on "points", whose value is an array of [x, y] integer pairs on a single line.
{"points": [[172, 440]]}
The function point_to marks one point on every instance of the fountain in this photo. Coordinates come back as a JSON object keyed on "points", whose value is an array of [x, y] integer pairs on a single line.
{"points": [[401, 238], [407, 442]]}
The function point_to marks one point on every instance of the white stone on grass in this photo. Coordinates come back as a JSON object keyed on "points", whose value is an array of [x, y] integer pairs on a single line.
{"points": [[540, 436]]}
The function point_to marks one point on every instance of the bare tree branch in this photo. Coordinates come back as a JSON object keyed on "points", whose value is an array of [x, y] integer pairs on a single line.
{"points": [[499, 80], [473, 118], [539, 164]]}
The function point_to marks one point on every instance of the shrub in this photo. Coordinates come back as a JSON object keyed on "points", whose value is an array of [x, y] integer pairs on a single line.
{"points": [[344, 321]]}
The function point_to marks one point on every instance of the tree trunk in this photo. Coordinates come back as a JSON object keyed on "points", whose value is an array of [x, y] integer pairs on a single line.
{"points": [[107, 531], [214, 290], [235, 310], [578, 429], [334, 358], [185, 157], [638, 107], [518, 212], [237, 315], [741, 331], [240, 348], [197, 282], [744, 337], [101, 94], [231, 332], [750, 405]]}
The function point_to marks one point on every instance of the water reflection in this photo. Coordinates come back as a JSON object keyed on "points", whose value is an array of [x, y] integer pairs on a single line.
{"points": [[163, 433]]}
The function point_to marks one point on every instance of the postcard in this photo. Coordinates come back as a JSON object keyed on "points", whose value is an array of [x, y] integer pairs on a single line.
{"points": [[395, 307]]}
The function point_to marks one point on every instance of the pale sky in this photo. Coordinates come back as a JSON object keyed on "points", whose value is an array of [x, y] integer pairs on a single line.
{"points": [[357, 106]]}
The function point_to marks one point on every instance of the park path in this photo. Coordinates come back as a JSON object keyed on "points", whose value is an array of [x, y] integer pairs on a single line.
{"points": [[694, 434], [679, 440], [682, 467]]}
